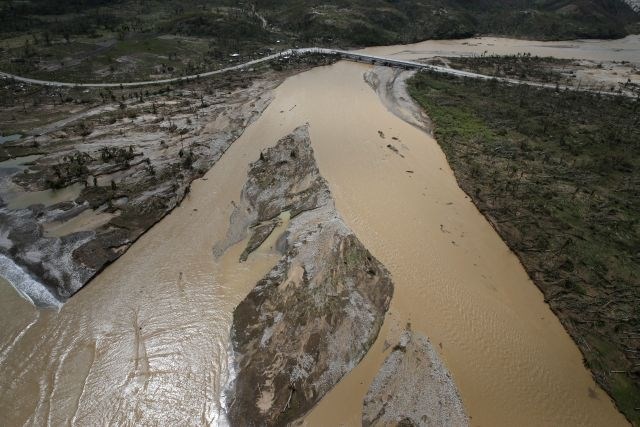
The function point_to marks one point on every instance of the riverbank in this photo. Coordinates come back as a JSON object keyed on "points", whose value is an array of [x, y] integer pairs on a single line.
{"points": [[557, 179]]}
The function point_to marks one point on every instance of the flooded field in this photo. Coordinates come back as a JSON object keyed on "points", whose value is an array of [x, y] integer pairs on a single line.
{"points": [[87, 220], [146, 341]]}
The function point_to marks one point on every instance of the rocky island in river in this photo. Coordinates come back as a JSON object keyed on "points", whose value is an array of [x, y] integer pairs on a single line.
{"points": [[311, 319]]}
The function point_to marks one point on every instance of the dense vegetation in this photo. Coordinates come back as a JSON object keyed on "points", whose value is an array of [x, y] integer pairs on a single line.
{"points": [[129, 39], [560, 181]]}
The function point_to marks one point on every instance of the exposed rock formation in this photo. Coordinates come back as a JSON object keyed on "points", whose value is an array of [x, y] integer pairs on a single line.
{"points": [[413, 388], [314, 316]]}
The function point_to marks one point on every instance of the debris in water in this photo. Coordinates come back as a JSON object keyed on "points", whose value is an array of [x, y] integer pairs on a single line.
{"points": [[395, 150]]}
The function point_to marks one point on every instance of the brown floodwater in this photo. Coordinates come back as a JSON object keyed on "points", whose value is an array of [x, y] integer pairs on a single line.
{"points": [[146, 341], [18, 199]]}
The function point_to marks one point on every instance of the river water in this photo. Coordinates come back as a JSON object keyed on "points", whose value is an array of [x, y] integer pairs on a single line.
{"points": [[146, 341]]}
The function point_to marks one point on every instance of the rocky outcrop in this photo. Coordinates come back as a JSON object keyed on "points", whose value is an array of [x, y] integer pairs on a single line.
{"points": [[313, 317], [413, 388]]}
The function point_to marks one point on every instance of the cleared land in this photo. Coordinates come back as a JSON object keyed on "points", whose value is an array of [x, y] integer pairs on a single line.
{"points": [[620, 77]]}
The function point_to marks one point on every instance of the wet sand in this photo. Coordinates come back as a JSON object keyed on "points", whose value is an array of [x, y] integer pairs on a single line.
{"points": [[19, 199], [147, 340], [87, 220]]}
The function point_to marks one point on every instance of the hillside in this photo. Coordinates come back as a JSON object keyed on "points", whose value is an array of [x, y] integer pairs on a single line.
{"points": [[381, 22]]}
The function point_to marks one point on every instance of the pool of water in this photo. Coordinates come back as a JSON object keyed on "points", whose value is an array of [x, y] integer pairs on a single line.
{"points": [[19, 199], [10, 138]]}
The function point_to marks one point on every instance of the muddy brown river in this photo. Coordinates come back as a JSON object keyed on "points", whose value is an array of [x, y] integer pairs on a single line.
{"points": [[146, 341]]}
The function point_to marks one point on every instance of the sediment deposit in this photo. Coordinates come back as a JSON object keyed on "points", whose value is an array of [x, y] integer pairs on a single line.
{"points": [[312, 318], [413, 388]]}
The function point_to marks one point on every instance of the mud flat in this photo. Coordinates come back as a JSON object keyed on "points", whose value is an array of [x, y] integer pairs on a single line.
{"points": [[625, 49]]}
